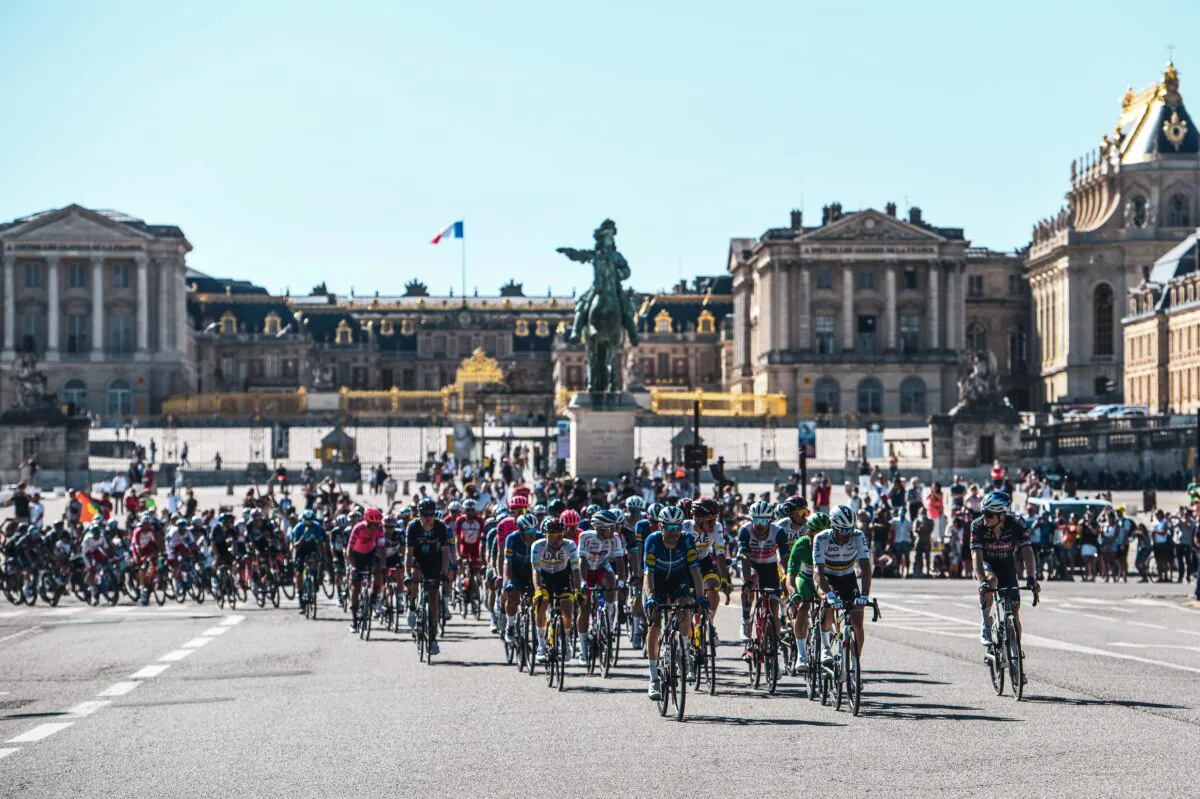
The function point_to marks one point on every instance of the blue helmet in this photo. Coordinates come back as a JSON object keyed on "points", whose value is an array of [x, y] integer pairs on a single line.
{"points": [[996, 502]]}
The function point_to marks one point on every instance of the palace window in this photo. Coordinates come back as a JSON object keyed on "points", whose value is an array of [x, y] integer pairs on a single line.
{"points": [[866, 278], [910, 334], [75, 393], [866, 335], [406, 327], [1102, 320], [344, 334], [706, 322], [76, 276], [119, 399], [33, 276], [32, 338], [387, 327], [912, 396], [823, 332], [1018, 358], [271, 324], [120, 276], [827, 396], [662, 322], [1014, 285], [228, 323], [825, 277], [121, 337], [909, 281], [870, 397], [522, 328], [542, 328], [1179, 211], [1139, 211], [976, 338], [974, 285], [78, 329]]}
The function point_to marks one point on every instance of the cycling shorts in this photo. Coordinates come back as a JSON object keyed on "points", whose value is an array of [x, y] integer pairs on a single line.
{"points": [[362, 561], [845, 586], [555, 583], [1006, 574], [768, 576], [594, 578], [708, 568], [665, 590], [805, 588], [304, 549]]}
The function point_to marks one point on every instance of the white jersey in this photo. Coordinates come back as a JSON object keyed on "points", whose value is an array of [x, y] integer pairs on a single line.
{"points": [[790, 530], [94, 545], [179, 536], [707, 544], [552, 561], [839, 558], [599, 553]]}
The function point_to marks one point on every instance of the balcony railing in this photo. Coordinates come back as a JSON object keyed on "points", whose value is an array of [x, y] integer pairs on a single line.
{"points": [[119, 355], [85, 355]]}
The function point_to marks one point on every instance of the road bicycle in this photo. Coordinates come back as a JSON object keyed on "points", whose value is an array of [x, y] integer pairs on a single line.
{"points": [[675, 653], [841, 669], [762, 651], [558, 643], [226, 587], [812, 651], [425, 630], [365, 600], [601, 635], [1004, 655], [309, 581], [524, 644]]}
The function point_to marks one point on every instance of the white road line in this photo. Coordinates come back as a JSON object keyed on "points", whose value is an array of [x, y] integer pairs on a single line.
{"points": [[196, 643], [6, 752], [1094, 616], [1161, 603], [119, 688], [118, 609], [9, 614], [232, 620], [1174, 629], [18, 635], [1147, 624], [218, 630], [64, 611], [150, 671], [39, 732], [961, 605], [178, 654], [1060, 610], [87, 708], [1155, 646]]}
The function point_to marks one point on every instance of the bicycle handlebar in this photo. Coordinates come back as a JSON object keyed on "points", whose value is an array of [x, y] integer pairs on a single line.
{"points": [[1036, 592]]}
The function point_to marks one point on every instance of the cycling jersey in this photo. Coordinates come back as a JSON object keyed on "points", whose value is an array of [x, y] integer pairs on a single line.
{"points": [[468, 531], [546, 559], [792, 533], [838, 558], [94, 548], [1012, 535], [427, 545], [145, 541], [180, 539], [518, 554], [365, 540], [307, 532], [761, 550], [670, 567], [707, 544], [801, 561], [599, 553]]}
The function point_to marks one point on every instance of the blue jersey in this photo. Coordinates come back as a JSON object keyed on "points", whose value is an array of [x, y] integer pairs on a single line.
{"points": [[518, 553], [641, 531], [306, 531], [670, 563]]}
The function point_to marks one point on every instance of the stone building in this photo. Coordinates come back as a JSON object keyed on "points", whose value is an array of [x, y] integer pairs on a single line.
{"points": [[99, 296], [862, 315], [998, 318], [1129, 201], [680, 334], [1162, 333]]}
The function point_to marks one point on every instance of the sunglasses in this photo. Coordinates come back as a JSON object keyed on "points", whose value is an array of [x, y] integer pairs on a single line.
{"points": [[987, 514], [762, 521], [672, 528]]}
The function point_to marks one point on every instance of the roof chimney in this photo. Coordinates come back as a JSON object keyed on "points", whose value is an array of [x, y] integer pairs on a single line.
{"points": [[824, 214], [891, 209], [914, 216], [835, 212], [797, 219]]}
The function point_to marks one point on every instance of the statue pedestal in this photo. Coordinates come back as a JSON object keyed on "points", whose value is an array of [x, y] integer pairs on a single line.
{"points": [[58, 442], [602, 440], [967, 440]]}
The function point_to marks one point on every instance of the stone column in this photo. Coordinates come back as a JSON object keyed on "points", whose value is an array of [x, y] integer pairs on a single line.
{"points": [[9, 264], [847, 308], [935, 278], [181, 317], [892, 340], [143, 305], [783, 291], [97, 307], [805, 299], [166, 331], [961, 306], [52, 320], [951, 312]]}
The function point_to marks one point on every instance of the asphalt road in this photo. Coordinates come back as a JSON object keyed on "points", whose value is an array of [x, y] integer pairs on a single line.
{"points": [[189, 700]]}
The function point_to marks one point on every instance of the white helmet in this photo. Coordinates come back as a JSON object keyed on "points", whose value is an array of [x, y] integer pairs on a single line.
{"points": [[842, 519]]}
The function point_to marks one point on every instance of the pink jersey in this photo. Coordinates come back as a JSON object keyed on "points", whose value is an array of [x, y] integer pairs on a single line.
{"points": [[468, 530], [507, 526], [364, 540]]}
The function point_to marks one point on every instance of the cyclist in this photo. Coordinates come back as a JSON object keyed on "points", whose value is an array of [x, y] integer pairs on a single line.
{"points": [[709, 536], [800, 579], [428, 557], [793, 512], [555, 564], [180, 544], [835, 552], [518, 570], [307, 537], [642, 529], [364, 551], [95, 551], [223, 542], [996, 536], [468, 537], [339, 536], [145, 546], [672, 574], [759, 545], [601, 549]]}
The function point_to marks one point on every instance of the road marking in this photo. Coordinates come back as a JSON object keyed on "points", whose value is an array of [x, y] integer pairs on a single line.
{"points": [[961, 605], [178, 654], [218, 630], [1094, 616], [8, 614], [196, 643], [232, 620], [18, 635], [118, 609], [63, 611], [1161, 603], [1154, 646], [87, 708], [6, 752], [1060, 610], [150, 671], [1174, 629], [39, 732], [1148, 624], [119, 688]]}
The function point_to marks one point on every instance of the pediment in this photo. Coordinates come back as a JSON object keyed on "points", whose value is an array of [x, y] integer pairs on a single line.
{"points": [[73, 224], [872, 226]]}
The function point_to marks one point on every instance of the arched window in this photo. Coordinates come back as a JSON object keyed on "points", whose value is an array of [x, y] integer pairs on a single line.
{"points": [[228, 323], [912, 396], [271, 324], [75, 393], [387, 327], [521, 328], [706, 322], [870, 397], [406, 327], [662, 322], [542, 328], [1102, 320], [828, 396], [1139, 211], [344, 334], [118, 400], [1018, 357], [1179, 211], [976, 338]]}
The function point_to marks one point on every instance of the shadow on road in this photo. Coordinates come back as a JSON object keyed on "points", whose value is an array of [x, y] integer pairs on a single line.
{"points": [[926, 711], [1090, 702], [600, 689], [735, 721]]}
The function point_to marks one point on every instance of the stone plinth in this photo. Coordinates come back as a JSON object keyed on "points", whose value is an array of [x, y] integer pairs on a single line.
{"points": [[602, 438], [970, 437], [58, 442]]}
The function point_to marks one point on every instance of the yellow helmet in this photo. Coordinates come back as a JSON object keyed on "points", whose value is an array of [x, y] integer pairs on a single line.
{"points": [[1120, 509]]}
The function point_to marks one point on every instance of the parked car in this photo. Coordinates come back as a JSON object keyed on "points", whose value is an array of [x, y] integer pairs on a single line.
{"points": [[1069, 505], [1127, 412]]}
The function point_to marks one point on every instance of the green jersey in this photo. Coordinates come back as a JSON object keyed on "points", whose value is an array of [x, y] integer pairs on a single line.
{"points": [[800, 562]]}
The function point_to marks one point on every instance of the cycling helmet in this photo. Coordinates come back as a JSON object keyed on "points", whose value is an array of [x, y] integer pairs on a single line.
{"points": [[654, 510], [390, 520], [342, 521], [556, 507], [256, 513], [620, 514], [427, 507], [455, 507], [996, 502], [540, 511], [113, 525], [760, 510], [842, 518], [527, 523], [590, 511], [309, 515], [635, 504], [779, 513], [227, 518], [518, 502], [703, 508], [147, 516], [604, 518], [373, 516], [671, 514], [686, 504], [245, 514], [569, 518], [818, 522], [356, 516], [470, 506], [793, 504], [501, 512], [552, 526]]}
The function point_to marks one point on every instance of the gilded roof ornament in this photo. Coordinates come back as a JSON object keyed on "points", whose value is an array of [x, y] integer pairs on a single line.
{"points": [[1175, 130], [1127, 100], [1171, 85]]}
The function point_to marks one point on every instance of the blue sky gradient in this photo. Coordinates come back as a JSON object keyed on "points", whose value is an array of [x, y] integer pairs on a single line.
{"points": [[298, 142]]}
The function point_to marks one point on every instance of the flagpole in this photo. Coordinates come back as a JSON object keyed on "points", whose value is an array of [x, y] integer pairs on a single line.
{"points": [[462, 241]]}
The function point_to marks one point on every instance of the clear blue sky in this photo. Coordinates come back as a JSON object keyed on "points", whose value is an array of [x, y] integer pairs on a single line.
{"points": [[296, 142]]}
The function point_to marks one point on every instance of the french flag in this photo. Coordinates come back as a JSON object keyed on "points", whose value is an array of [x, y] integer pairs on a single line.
{"points": [[453, 231]]}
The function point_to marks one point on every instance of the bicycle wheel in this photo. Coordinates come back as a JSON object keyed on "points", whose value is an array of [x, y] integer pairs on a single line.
{"points": [[327, 586], [552, 639], [1016, 662], [701, 637], [49, 589], [710, 656], [420, 631], [812, 653], [595, 642], [564, 654], [994, 657], [260, 593], [179, 589], [853, 674], [159, 588], [108, 588], [530, 644], [680, 685], [608, 641], [771, 659], [510, 649], [666, 678]]}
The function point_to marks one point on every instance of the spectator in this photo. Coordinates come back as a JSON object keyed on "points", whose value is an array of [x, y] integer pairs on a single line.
{"points": [[20, 503], [37, 512], [902, 531], [914, 497], [1161, 541], [937, 511], [923, 530], [879, 529], [217, 462], [958, 493], [183, 454]]}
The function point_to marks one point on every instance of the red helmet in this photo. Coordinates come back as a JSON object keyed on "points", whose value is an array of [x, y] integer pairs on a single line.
{"points": [[569, 517], [373, 516], [686, 504], [518, 501], [705, 507], [522, 491]]}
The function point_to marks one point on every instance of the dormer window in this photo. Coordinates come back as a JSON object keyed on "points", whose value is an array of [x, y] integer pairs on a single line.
{"points": [[272, 324], [387, 327], [1139, 211], [344, 335], [406, 327], [706, 322], [228, 324], [662, 322], [522, 328], [542, 328]]}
